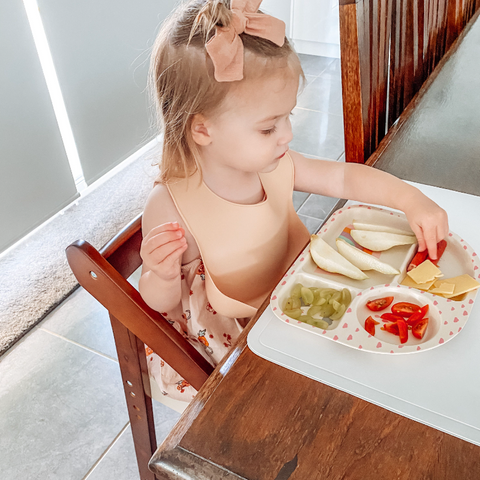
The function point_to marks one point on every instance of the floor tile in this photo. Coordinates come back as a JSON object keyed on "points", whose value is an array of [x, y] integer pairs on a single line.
{"points": [[119, 463], [318, 206], [333, 70], [165, 419], [312, 224], [317, 133], [62, 406], [313, 64], [299, 198], [83, 320], [322, 94]]}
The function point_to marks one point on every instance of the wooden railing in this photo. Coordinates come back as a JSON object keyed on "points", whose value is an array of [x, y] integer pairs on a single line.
{"points": [[388, 49]]}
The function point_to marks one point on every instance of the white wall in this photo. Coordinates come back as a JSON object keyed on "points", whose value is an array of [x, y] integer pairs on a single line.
{"points": [[313, 25]]}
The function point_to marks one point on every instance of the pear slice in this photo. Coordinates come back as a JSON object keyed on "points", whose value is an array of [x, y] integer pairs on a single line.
{"points": [[379, 228], [331, 261], [363, 260], [380, 241]]}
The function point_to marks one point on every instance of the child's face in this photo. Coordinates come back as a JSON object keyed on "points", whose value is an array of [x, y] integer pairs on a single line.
{"points": [[253, 131]]}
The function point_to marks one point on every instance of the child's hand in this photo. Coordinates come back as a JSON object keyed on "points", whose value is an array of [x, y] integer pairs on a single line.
{"points": [[429, 223], [162, 249]]}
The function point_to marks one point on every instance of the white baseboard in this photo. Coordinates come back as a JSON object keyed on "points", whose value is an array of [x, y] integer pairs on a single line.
{"points": [[317, 48]]}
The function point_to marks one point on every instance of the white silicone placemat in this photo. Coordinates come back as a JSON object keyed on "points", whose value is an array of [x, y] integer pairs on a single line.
{"points": [[438, 387]]}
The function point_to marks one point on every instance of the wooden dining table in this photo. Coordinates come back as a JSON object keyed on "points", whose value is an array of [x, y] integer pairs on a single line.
{"points": [[254, 419]]}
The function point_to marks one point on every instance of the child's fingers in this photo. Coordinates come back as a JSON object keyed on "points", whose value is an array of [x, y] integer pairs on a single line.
{"points": [[431, 242], [169, 267], [171, 259], [422, 245], [151, 244], [164, 227], [159, 254]]}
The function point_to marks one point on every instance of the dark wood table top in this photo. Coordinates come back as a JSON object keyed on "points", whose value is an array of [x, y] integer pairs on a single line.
{"points": [[258, 421]]}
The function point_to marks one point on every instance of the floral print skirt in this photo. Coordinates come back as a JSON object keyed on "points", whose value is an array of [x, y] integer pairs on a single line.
{"points": [[209, 332]]}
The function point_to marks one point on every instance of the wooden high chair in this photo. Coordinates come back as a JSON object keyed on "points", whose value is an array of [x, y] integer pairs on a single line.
{"points": [[104, 275], [388, 49]]}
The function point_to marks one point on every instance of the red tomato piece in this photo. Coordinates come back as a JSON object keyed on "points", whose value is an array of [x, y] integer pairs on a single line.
{"points": [[402, 330], [419, 328], [379, 304], [418, 259], [390, 317], [415, 317], [391, 328], [441, 246], [405, 309], [370, 325]]}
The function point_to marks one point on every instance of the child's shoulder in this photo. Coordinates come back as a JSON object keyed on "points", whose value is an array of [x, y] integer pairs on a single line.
{"points": [[159, 208]]}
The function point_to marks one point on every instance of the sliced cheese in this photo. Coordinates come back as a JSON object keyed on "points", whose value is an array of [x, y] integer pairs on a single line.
{"points": [[463, 284], [408, 282], [441, 287], [425, 272]]}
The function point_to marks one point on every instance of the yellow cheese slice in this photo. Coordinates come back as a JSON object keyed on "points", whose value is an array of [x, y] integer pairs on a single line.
{"points": [[441, 287], [408, 282], [463, 284], [425, 272]]}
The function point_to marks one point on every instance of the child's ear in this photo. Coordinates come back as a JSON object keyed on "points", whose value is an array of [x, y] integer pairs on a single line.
{"points": [[199, 129]]}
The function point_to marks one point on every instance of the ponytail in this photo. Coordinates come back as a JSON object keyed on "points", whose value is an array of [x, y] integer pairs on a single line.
{"points": [[214, 13]]}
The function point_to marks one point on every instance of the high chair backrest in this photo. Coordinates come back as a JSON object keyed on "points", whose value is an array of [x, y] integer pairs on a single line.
{"points": [[388, 49], [104, 275]]}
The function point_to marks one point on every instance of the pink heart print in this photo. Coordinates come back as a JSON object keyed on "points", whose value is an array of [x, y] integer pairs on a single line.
{"points": [[345, 325], [379, 344], [335, 337], [441, 341], [349, 337]]}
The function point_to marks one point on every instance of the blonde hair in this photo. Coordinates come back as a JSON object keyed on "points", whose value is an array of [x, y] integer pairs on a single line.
{"points": [[182, 77]]}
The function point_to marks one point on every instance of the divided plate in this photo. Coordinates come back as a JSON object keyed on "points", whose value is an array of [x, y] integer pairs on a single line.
{"points": [[446, 317]]}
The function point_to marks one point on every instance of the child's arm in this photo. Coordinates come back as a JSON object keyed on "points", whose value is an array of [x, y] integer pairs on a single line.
{"points": [[359, 182], [164, 245]]}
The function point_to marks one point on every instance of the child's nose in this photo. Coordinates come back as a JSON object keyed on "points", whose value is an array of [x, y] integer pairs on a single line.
{"points": [[287, 135]]}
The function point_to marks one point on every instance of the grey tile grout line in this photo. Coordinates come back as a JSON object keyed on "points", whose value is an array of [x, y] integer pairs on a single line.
{"points": [[318, 111], [108, 357], [313, 218], [102, 456]]}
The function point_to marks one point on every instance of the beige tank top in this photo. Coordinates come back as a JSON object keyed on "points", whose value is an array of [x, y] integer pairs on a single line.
{"points": [[245, 248]]}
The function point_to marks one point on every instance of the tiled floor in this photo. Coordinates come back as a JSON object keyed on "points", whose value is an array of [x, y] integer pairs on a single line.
{"points": [[62, 409]]}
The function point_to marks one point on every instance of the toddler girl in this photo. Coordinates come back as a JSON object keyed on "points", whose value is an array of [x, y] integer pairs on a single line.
{"points": [[219, 226]]}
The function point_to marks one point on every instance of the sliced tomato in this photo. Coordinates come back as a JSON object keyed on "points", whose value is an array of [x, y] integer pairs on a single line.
{"points": [[379, 304], [402, 330], [405, 309], [391, 328], [441, 246], [419, 328], [390, 317], [370, 325], [415, 317]]}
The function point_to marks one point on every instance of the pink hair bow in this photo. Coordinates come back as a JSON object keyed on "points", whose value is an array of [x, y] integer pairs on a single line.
{"points": [[226, 47]]}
